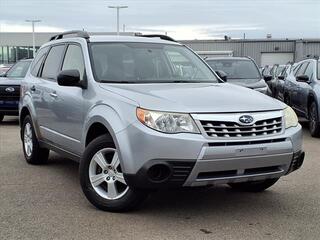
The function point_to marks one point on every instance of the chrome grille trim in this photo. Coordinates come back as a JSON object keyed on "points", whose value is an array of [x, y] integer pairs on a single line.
{"points": [[227, 126]]}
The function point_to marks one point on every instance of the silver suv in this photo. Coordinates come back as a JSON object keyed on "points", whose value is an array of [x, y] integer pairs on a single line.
{"points": [[146, 112]]}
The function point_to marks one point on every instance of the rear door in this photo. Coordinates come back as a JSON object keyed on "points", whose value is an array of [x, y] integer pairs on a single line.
{"points": [[47, 93]]}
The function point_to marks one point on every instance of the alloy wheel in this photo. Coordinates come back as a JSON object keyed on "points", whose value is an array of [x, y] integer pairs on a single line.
{"points": [[27, 139], [313, 117], [106, 176]]}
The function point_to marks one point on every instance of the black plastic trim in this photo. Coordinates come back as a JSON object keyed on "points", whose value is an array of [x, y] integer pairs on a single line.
{"points": [[78, 33], [180, 170], [163, 37]]}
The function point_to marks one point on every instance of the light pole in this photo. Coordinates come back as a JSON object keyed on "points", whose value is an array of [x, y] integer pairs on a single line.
{"points": [[33, 21], [118, 9]]}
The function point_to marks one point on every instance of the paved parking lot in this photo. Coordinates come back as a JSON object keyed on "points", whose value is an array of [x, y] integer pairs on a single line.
{"points": [[46, 202]]}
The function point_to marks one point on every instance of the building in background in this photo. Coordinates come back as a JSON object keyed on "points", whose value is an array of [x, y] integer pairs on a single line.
{"points": [[263, 51], [18, 45], [268, 51]]}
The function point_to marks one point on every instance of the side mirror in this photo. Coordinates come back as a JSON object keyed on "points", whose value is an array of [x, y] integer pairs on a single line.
{"points": [[222, 75], [267, 78], [70, 78], [303, 78], [281, 77]]}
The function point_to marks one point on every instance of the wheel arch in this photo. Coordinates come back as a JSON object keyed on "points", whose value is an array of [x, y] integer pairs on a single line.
{"points": [[25, 111], [312, 98], [95, 130]]}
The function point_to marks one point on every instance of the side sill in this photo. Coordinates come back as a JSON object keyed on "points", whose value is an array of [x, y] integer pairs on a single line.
{"points": [[60, 151]]}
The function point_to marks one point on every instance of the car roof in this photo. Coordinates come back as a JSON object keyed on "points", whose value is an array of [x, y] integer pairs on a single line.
{"points": [[115, 38], [228, 58]]}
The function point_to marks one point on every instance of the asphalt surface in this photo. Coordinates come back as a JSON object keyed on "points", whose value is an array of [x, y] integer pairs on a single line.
{"points": [[46, 202]]}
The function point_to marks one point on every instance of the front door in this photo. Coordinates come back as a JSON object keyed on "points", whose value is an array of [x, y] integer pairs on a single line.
{"points": [[67, 107]]}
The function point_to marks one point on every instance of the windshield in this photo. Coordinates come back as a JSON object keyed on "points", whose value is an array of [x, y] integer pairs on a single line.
{"points": [[236, 69], [18, 70], [147, 63]]}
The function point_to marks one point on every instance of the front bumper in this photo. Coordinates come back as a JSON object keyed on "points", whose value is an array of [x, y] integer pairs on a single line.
{"points": [[9, 107], [193, 160]]}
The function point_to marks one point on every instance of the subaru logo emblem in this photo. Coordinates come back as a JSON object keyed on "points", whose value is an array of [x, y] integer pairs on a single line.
{"points": [[9, 89], [246, 119]]}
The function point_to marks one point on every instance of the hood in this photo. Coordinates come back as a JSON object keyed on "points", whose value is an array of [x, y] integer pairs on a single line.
{"points": [[10, 81], [249, 83], [195, 97]]}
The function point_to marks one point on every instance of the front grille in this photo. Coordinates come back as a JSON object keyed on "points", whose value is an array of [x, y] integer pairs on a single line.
{"points": [[234, 173], [9, 98], [230, 143], [227, 129], [4, 93]]}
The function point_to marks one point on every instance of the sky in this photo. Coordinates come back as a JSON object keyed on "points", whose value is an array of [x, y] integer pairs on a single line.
{"points": [[181, 19]]}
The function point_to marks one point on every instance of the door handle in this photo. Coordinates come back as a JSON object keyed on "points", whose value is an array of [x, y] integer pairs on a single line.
{"points": [[33, 88], [54, 95]]}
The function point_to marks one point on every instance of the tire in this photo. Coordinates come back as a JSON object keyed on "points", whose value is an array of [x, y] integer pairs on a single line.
{"points": [[1, 118], [100, 171], [286, 100], [255, 186], [314, 123], [33, 153]]}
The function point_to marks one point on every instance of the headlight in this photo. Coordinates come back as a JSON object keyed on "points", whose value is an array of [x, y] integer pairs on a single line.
{"points": [[291, 119], [167, 122]]}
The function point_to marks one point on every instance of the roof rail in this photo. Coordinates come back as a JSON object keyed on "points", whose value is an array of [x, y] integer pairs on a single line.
{"points": [[78, 33], [163, 37], [310, 56]]}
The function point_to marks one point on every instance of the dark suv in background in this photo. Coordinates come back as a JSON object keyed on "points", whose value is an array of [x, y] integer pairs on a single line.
{"points": [[302, 92], [10, 88], [242, 71]]}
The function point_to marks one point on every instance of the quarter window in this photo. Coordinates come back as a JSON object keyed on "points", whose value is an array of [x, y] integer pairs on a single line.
{"points": [[52, 64], [36, 64], [74, 60]]}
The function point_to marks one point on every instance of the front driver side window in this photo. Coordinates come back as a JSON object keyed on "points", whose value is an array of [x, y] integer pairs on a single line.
{"points": [[73, 60]]}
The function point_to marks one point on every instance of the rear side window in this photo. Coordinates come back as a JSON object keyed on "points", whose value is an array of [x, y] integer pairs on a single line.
{"points": [[36, 64], [51, 66], [73, 60]]}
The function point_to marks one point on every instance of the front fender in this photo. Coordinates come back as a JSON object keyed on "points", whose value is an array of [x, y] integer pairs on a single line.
{"points": [[113, 121]]}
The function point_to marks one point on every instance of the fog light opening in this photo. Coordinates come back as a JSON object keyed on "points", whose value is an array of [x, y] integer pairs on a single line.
{"points": [[159, 173]]}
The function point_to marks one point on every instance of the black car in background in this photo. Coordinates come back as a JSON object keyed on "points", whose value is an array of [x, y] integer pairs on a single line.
{"points": [[242, 71], [278, 86], [302, 92], [275, 71], [10, 88]]}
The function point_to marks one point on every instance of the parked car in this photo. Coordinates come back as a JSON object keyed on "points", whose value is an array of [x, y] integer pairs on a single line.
{"points": [[302, 92], [10, 88], [242, 71], [150, 114], [278, 88], [266, 71], [275, 72]]}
